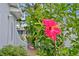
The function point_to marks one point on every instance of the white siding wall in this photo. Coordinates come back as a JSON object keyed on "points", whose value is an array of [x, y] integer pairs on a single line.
{"points": [[4, 12], [8, 32]]}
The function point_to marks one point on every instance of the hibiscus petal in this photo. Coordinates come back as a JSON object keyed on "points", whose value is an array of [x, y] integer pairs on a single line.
{"points": [[53, 37], [57, 30], [49, 22], [51, 34]]}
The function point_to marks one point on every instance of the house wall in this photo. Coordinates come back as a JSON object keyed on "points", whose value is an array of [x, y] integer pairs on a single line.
{"points": [[8, 31], [11, 33], [4, 12]]}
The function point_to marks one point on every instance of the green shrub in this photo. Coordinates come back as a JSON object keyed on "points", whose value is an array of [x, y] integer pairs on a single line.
{"points": [[66, 16], [12, 51]]}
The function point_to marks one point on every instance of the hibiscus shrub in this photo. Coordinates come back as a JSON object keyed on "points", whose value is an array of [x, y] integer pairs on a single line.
{"points": [[50, 25]]}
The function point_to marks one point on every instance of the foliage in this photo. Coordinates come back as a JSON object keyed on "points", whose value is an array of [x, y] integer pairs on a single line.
{"points": [[12, 51], [67, 17]]}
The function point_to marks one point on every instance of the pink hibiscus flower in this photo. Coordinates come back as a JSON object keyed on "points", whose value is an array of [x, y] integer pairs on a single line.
{"points": [[51, 28]]}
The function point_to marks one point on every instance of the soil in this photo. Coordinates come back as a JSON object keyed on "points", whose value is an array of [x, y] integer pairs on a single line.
{"points": [[31, 51]]}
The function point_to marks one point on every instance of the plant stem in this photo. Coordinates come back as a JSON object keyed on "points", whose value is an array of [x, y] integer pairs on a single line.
{"points": [[55, 47]]}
